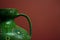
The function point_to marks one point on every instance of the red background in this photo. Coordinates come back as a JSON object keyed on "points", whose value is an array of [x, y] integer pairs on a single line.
{"points": [[44, 14]]}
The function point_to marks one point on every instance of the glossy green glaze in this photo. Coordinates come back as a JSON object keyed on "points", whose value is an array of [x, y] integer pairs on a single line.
{"points": [[8, 28]]}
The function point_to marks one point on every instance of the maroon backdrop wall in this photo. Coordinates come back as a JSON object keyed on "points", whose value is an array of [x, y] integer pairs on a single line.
{"points": [[44, 14]]}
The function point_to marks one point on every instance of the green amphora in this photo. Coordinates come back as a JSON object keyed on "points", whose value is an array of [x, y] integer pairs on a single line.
{"points": [[8, 28]]}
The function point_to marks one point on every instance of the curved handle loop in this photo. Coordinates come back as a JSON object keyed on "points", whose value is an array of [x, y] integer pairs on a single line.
{"points": [[29, 21]]}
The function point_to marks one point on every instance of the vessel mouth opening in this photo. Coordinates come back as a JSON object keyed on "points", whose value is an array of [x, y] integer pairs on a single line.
{"points": [[8, 12]]}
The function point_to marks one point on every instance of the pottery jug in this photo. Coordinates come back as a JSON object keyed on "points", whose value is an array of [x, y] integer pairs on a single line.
{"points": [[8, 28]]}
